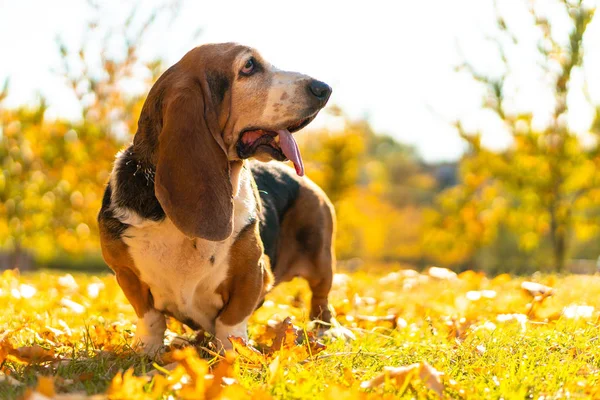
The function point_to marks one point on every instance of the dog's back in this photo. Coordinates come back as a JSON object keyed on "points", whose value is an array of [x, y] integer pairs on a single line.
{"points": [[297, 229]]}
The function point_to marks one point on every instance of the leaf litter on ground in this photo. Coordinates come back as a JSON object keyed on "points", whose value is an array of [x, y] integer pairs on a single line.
{"points": [[396, 332]]}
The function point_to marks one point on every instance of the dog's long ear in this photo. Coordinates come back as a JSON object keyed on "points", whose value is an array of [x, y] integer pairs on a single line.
{"points": [[192, 170]]}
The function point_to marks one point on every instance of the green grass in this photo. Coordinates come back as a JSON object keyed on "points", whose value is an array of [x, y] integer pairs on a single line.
{"points": [[546, 355]]}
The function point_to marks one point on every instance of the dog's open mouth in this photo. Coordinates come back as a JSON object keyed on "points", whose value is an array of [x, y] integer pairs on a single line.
{"points": [[278, 143]]}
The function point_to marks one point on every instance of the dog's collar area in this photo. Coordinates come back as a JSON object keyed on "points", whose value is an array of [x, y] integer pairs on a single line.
{"points": [[148, 170]]}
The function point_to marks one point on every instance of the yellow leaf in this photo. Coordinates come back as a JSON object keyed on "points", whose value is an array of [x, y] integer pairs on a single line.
{"points": [[431, 377], [223, 370], [349, 376], [247, 351], [442, 273], [127, 386], [234, 392], [537, 289], [501, 279], [45, 386], [273, 370], [195, 367], [32, 354], [404, 376]]}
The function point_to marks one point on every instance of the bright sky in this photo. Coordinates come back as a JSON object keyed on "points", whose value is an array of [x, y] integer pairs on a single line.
{"points": [[391, 62]]}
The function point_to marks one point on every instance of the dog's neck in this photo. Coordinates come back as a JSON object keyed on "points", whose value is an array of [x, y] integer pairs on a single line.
{"points": [[143, 167], [147, 168]]}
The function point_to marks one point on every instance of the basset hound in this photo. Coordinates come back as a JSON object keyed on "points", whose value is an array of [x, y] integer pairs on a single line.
{"points": [[194, 230]]}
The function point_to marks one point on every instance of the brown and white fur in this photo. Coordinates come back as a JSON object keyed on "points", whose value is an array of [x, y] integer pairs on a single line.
{"points": [[189, 227]]}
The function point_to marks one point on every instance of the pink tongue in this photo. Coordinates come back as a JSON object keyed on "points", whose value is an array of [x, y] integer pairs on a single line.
{"points": [[290, 149]]}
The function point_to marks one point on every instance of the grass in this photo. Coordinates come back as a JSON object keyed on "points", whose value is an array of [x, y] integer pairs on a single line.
{"points": [[489, 337]]}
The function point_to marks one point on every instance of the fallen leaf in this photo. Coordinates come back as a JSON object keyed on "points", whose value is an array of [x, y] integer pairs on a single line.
{"points": [[73, 306], [285, 335], [576, 312], [521, 319], [245, 350], [33, 354], [194, 366], [501, 279], [45, 386], [442, 273], [404, 376], [127, 386], [399, 374], [339, 392], [349, 376], [68, 282], [472, 278], [431, 377], [536, 289], [475, 295], [315, 346], [273, 370], [222, 372]]}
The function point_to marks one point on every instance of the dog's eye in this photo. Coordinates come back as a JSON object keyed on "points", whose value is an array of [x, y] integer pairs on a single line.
{"points": [[248, 68]]}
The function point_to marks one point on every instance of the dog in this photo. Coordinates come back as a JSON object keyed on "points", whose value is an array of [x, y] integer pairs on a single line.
{"points": [[190, 226]]}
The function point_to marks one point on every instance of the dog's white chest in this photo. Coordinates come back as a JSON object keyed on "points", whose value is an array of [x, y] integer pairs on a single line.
{"points": [[183, 274]]}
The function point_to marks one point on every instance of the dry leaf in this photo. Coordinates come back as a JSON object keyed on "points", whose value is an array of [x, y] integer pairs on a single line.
{"points": [[127, 386], [45, 386], [247, 351], [290, 337], [399, 374], [349, 376], [223, 374], [442, 273], [576, 312], [273, 370], [194, 366], [431, 377], [33, 354], [405, 376], [73, 306], [536, 289], [285, 335]]}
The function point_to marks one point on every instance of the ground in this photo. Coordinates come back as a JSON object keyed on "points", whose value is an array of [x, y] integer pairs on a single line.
{"points": [[465, 336]]}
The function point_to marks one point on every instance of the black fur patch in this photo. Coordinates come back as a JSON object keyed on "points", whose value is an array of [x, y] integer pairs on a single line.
{"points": [[113, 227], [135, 187], [310, 239], [278, 187], [134, 191]]}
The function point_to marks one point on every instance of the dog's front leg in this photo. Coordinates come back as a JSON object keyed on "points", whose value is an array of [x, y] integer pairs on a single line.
{"points": [[151, 324], [240, 301], [249, 279]]}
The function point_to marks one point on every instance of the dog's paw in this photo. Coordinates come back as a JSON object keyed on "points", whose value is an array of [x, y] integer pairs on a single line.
{"points": [[333, 330], [149, 345], [149, 333], [223, 332], [339, 332]]}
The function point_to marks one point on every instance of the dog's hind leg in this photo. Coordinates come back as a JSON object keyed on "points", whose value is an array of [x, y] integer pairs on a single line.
{"points": [[319, 279]]}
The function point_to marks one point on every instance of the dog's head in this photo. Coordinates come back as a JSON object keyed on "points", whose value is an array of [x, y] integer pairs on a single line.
{"points": [[219, 104]]}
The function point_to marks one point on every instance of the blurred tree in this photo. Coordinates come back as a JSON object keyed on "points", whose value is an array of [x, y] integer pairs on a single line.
{"points": [[545, 185], [54, 171], [376, 185], [335, 159]]}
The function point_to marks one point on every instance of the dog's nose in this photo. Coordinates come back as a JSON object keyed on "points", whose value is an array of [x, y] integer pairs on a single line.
{"points": [[320, 89]]}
